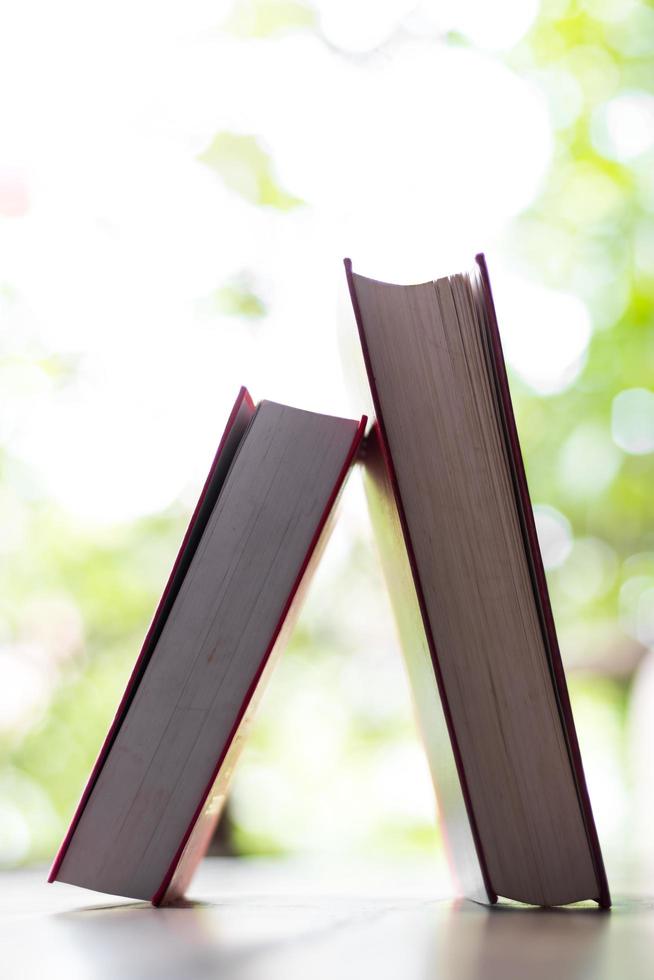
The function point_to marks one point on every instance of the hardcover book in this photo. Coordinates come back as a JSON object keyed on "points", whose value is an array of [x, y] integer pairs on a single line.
{"points": [[452, 516], [155, 793]]}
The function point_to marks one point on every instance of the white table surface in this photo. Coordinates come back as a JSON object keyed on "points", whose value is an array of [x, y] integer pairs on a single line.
{"points": [[253, 919]]}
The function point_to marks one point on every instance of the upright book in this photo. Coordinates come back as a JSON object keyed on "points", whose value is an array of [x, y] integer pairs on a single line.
{"points": [[451, 511], [152, 800]]}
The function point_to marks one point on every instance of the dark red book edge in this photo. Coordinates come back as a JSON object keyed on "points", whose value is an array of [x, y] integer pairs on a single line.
{"points": [[539, 582], [383, 443], [159, 896], [242, 406]]}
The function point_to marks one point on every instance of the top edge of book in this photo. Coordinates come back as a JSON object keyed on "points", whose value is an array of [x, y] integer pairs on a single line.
{"points": [[480, 263], [322, 416]]}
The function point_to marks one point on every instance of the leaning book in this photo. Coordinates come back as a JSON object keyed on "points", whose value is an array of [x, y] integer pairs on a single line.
{"points": [[155, 793], [452, 516]]}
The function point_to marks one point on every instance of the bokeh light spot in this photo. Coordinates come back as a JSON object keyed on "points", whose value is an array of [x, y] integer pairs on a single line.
{"points": [[554, 535], [632, 420]]}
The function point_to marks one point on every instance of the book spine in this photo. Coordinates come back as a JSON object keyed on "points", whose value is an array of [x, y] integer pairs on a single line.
{"points": [[539, 580], [240, 416]]}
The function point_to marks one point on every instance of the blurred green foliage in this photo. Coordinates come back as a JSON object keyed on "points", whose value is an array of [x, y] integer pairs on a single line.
{"points": [[583, 234], [267, 18], [238, 298], [82, 602], [247, 169]]}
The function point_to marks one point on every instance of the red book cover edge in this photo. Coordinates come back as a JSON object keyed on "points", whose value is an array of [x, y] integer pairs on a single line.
{"points": [[383, 442], [540, 583], [146, 650], [159, 895]]}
